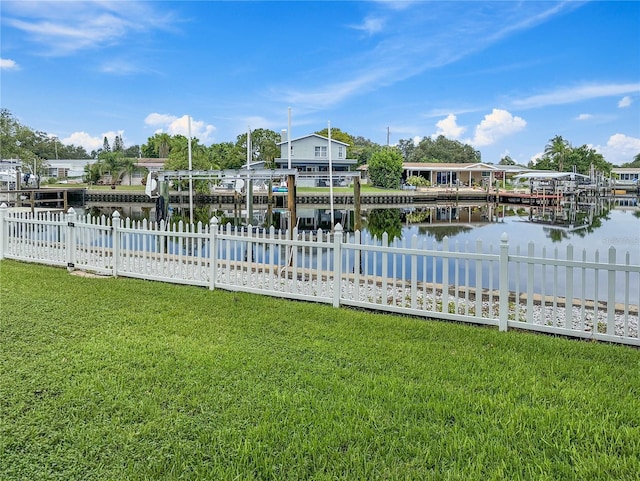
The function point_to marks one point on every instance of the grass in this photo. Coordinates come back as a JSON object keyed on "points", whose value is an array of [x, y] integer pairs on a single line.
{"points": [[122, 379]]}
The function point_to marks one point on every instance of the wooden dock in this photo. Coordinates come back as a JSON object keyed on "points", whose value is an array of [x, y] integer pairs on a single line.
{"points": [[51, 198], [528, 198]]}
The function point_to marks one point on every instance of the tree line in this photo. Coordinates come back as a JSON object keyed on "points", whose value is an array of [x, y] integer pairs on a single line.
{"points": [[36, 148]]}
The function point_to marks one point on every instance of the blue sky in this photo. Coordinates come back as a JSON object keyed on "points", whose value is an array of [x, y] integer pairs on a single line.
{"points": [[504, 76]]}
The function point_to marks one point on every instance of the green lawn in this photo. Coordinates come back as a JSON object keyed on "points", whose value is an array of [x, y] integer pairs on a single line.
{"points": [[122, 379]]}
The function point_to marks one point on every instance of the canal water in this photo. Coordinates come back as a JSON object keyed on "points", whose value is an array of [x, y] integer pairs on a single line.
{"points": [[590, 228]]}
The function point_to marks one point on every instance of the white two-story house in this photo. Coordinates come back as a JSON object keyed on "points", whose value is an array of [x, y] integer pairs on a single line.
{"points": [[310, 155]]}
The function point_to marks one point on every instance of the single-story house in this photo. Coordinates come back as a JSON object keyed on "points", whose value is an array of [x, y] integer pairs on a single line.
{"points": [[459, 174], [626, 175]]}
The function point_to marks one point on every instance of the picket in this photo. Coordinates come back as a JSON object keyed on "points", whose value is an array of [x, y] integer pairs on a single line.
{"points": [[568, 294]]}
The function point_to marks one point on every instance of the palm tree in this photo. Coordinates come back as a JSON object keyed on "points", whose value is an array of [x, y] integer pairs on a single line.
{"points": [[128, 166], [163, 145], [112, 163], [557, 149]]}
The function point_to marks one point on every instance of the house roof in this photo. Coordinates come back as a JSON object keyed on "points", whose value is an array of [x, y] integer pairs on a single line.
{"points": [[551, 175], [313, 135], [474, 166], [625, 170], [150, 162]]}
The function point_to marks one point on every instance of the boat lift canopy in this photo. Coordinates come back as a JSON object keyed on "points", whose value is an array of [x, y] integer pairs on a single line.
{"points": [[543, 175], [254, 174]]}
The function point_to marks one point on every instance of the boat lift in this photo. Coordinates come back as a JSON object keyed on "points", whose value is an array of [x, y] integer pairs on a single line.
{"points": [[157, 186]]}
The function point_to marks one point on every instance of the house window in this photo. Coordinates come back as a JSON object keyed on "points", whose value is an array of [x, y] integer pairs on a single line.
{"points": [[321, 151], [340, 152]]}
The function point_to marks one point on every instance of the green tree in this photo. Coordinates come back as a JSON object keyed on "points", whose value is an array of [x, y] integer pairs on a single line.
{"points": [[385, 168], [128, 166], [561, 157], [105, 145], [634, 163], [158, 146], [179, 154], [226, 155], [92, 173], [584, 158], [362, 150], [179, 160], [506, 160], [263, 146], [110, 163], [441, 149], [556, 151], [9, 126], [132, 152], [380, 221], [69, 151], [340, 136], [118, 144], [407, 147]]}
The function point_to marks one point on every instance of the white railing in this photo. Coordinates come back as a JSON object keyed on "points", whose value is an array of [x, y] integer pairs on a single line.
{"points": [[591, 298]]}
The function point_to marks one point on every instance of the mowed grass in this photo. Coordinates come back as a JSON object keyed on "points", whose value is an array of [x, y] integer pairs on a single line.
{"points": [[122, 379]]}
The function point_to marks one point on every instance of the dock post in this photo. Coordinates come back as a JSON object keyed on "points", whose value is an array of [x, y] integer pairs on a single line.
{"points": [[503, 313], [357, 222], [291, 203], [4, 237]]}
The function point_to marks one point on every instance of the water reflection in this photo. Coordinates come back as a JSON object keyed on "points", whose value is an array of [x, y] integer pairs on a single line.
{"points": [[554, 224], [380, 221], [588, 228]]}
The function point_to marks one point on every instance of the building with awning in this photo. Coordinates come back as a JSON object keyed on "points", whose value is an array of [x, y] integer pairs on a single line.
{"points": [[459, 174]]}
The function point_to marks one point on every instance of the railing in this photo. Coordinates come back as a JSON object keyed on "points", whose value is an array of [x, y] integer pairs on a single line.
{"points": [[590, 298]]}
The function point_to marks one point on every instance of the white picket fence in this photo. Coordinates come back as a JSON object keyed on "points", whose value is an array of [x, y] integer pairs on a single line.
{"points": [[593, 298]]}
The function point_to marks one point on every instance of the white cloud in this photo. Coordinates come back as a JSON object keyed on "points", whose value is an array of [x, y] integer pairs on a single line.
{"points": [[449, 127], [417, 41], [89, 142], [625, 101], [159, 119], [124, 67], [584, 117], [535, 158], [371, 25], [83, 139], [576, 94], [620, 149], [499, 123], [8, 64], [62, 28], [173, 125]]}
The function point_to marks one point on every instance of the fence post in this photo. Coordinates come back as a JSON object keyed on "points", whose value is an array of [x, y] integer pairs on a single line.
{"points": [[213, 252], [337, 264], [611, 295], [115, 240], [503, 316], [4, 232], [71, 239]]}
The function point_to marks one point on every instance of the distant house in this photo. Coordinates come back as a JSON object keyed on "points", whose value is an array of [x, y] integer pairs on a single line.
{"points": [[143, 166], [310, 154], [67, 169], [452, 174], [626, 175]]}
